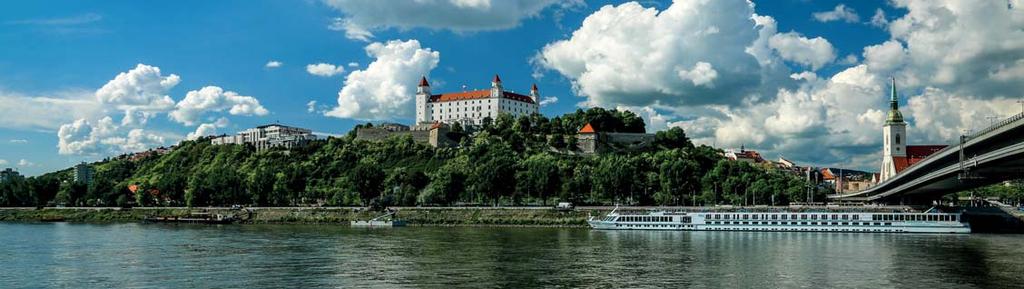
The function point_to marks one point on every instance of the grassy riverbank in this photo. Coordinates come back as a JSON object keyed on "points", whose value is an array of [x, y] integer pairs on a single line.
{"points": [[473, 216]]}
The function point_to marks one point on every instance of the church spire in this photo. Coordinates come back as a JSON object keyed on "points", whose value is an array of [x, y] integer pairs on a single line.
{"points": [[894, 117], [893, 98]]}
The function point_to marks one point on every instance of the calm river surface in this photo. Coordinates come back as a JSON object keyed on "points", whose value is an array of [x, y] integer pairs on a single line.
{"points": [[277, 256]]}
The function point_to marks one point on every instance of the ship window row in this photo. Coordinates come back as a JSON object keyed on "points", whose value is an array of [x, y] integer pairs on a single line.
{"points": [[915, 217], [855, 217], [808, 229], [783, 217], [800, 223], [645, 219]]}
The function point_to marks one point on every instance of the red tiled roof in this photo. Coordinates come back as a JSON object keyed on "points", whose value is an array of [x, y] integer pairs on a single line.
{"points": [[915, 154], [587, 129], [477, 94], [923, 151]]}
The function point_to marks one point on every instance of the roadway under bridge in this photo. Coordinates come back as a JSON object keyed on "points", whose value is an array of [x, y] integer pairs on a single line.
{"points": [[986, 157]]}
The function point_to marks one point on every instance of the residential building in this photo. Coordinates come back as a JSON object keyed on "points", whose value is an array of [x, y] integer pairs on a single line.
{"points": [[896, 154], [269, 136], [589, 140], [744, 155], [472, 107], [83, 173], [9, 174]]}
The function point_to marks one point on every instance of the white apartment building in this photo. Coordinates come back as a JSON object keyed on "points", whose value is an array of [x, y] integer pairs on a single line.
{"points": [[268, 136], [471, 107]]}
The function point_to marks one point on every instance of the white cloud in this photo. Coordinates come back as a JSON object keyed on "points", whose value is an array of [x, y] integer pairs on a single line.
{"points": [[885, 57], [3, 162], [635, 56], [324, 69], [18, 141], [940, 117], [384, 90], [311, 106], [353, 64], [702, 74], [46, 113], [207, 129], [352, 30], [841, 12], [214, 99], [362, 17], [25, 163], [879, 20], [549, 101], [960, 47], [273, 64], [813, 52], [83, 137], [142, 89]]}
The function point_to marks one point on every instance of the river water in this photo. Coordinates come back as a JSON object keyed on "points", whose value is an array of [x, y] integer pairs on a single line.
{"points": [[61, 255]]}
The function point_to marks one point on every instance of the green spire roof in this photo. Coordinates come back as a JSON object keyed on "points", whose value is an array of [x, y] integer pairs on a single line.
{"points": [[894, 117]]}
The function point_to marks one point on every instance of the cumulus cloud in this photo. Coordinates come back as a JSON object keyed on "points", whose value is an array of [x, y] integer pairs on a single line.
{"points": [[214, 99], [960, 47], [385, 89], [25, 163], [362, 17], [273, 64], [840, 13], [83, 137], [691, 53], [324, 69], [207, 129], [813, 52], [141, 89]]}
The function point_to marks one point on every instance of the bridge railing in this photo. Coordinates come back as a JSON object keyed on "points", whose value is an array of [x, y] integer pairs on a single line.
{"points": [[998, 125]]}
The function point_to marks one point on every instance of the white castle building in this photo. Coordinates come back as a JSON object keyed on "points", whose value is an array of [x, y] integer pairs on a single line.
{"points": [[471, 107]]}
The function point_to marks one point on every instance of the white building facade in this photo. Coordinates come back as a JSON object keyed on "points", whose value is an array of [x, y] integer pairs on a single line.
{"points": [[895, 134], [268, 136], [471, 107]]}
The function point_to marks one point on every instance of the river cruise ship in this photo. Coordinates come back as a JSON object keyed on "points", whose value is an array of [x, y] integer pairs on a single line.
{"points": [[928, 222]]}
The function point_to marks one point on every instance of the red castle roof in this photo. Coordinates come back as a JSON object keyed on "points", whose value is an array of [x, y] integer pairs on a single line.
{"points": [[423, 81], [477, 94], [496, 79]]}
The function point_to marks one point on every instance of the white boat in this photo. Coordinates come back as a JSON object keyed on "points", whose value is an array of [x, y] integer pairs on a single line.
{"points": [[860, 222], [386, 220]]}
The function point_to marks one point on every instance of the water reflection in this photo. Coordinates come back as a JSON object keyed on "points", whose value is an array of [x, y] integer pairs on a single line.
{"points": [[168, 256]]}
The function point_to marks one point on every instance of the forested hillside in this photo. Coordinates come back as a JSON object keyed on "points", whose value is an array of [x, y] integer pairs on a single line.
{"points": [[525, 161]]}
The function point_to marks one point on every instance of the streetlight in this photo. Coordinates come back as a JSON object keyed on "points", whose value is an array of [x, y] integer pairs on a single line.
{"points": [[1021, 102]]}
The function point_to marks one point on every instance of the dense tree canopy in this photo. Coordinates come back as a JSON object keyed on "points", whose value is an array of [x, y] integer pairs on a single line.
{"points": [[509, 161]]}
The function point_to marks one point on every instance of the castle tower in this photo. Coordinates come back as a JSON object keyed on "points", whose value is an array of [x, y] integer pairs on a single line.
{"points": [[894, 133], [534, 94], [422, 101], [496, 89]]}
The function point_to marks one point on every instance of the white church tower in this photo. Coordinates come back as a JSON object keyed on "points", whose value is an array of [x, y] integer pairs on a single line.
{"points": [[895, 133], [422, 98]]}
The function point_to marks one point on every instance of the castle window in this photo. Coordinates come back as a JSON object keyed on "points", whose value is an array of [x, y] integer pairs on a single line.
{"points": [[897, 138]]}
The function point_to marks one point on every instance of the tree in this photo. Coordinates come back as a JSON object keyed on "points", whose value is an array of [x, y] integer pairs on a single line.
{"points": [[445, 186], [673, 138], [368, 179]]}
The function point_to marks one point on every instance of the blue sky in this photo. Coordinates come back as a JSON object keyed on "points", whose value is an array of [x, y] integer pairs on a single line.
{"points": [[693, 69]]}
